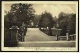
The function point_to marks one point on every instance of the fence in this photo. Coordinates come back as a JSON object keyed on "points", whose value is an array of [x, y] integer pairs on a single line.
{"points": [[57, 32]]}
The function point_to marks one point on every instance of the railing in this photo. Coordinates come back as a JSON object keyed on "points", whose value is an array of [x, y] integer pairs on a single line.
{"points": [[57, 32], [68, 37]]}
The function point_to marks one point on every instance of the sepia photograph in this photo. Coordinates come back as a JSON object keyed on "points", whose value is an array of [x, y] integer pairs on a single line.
{"points": [[39, 26]]}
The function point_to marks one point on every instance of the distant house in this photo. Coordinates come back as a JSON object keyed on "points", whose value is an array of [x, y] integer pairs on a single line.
{"points": [[31, 23]]}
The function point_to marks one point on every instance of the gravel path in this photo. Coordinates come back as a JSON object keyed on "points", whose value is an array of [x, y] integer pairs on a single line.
{"points": [[34, 34]]}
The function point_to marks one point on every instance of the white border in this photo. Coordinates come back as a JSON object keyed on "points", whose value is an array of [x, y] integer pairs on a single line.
{"points": [[38, 48]]}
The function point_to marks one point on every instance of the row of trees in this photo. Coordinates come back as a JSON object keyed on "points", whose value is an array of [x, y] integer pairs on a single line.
{"points": [[66, 22]]}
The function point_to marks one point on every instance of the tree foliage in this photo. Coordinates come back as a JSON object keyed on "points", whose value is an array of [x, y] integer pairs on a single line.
{"points": [[22, 12], [62, 15], [67, 22], [18, 13], [36, 19], [46, 20], [73, 24], [8, 18]]}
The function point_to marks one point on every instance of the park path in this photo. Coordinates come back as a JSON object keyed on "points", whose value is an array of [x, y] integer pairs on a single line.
{"points": [[36, 38], [34, 34]]}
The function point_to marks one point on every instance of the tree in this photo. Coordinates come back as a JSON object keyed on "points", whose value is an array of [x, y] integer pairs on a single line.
{"points": [[72, 23], [46, 21], [7, 24], [8, 18], [62, 15], [36, 20], [23, 12], [19, 13], [55, 22], [67, 22]]}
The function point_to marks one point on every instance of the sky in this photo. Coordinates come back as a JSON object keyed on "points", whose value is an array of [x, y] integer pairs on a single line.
{"points": [[54, 9]]}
